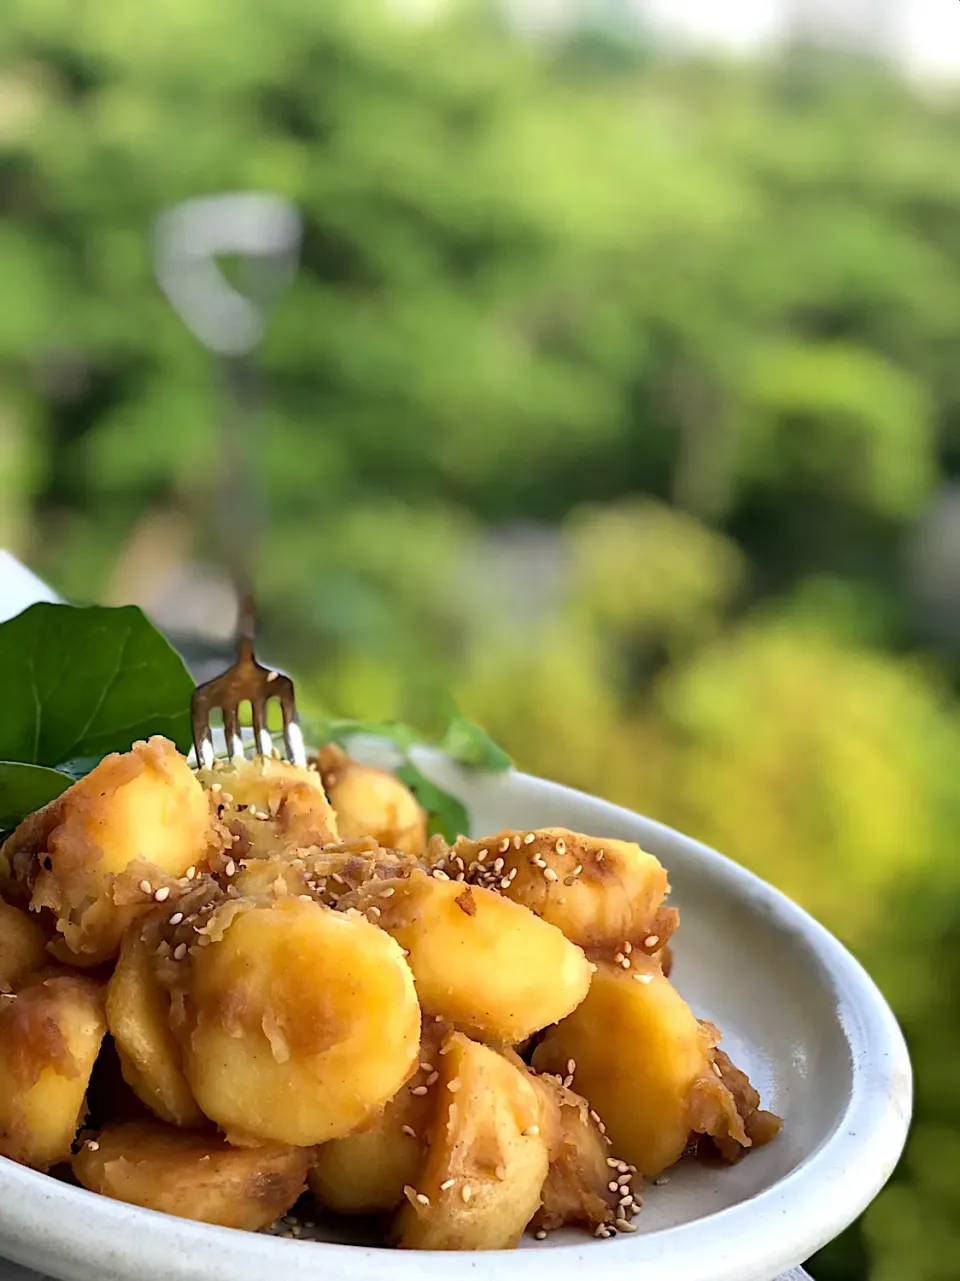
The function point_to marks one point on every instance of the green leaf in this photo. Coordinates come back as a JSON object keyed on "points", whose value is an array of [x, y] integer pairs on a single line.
{"points": [[340, 730], [448, 817], [25, 788], [467, 743], [80, 682]]}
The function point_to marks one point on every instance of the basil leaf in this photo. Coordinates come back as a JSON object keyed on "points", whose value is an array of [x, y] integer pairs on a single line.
{"points": [[448, 817], [340, 730], [25, 788], [470, 745], [86, 681], [79, 766]]}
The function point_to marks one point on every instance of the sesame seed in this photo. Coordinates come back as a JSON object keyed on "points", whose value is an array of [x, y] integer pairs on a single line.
{"points": [[498, 864], [501, 1172], [529, 838], [425, 1067], [432, 1078], [571, 1066], [504, 845], [162, 894], [624, 1179], [540, 1234], [516, 841], [600, 855], [505, 883], [594, 1116], [613, 1163], [93, 1145], [651, 940], [190, 873], [409, 1131], [626, 1226], [618, 958], [374, 911], [613, 1186], [561, 846], [568, 1081], [466, 1192], [423, 1198], [601, 1232], [625, 963], [660, 1181], [440, 876], [550, 875], [626, 1200], [447, 1184], [643, 978], [530, 1132], [419, 1090], [230, 869], [716, 1068], [578, 869], [216, 787], [146, 887], [628, 947], [272, 676], [483, 855], [176, 918], [180, 951], [388, 893]]}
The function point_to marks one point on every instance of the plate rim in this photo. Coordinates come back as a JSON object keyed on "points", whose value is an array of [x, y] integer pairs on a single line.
{"points": [[63, 1229]]}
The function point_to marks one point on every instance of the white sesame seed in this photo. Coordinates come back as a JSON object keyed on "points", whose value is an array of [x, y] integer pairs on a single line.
{"points": [[190, 873], [628, 947], [626, 1226], [419, 1090], [272, 676], [483, 855], [516, 841], [578, 869], [388, 893], [618, 958], [425, 1067], [440, 876], [374, 911], [423, 1198], [162, 894], [651, 940], [409, 1131], [643, 978], [716, 1068], [504, 845], [447, 1184], [661, 1180], [93, 1145], [530, 1132], [613, 1163], [176, 918], [613, 1186], [180, 951], [529, 838], [216, 787], [230, 869], [146, 887], [625, 963], [550, 875], [432, 1078], [505, 883], [540, 1234], [466, 1192], [624, 1179]]}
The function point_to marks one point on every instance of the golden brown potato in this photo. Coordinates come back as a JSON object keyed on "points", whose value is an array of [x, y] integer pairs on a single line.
{"points": [[485, 964], [372, 802], [577, 1188], [366, 1172], [50, 1034], [300, 1023], [646, 1064], [487, 1161], [138, 1016], [269, 806], [97, 854], [23, 946], [727, 1111], [340, 875], [194, 1176], [601, 893]]}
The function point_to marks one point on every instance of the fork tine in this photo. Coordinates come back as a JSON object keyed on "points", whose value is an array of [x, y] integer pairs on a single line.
{"points": [[200, 725], [231, 731], [292, 735], [263, 743]]}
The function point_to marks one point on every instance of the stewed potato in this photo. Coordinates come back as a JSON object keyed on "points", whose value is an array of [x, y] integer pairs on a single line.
{"points": [[372, 802], [23, 946], [366, 1172], [600, 892], [269, 805], [646, 1064], [194, 1176], [50, 1034], [300, 1022], [97, 854], [487, 1159], [138, 1016], [484, 963]]}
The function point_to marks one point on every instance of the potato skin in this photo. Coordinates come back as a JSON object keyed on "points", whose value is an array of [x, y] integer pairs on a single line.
{"points": [[193, 1176], [600, 892], [269, 806], [485, 964], [50, 1034], [139, 816], [23, 946], [366, 1172], [487, 1137], [372, 802], [300, 1023], [138, 1017]]}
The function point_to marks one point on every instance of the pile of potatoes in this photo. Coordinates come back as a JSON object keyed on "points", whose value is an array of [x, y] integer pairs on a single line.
{"points": [[221, 991]]}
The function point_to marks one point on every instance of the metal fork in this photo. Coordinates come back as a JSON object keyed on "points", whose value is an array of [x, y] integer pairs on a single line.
{"points": [[263, 232]]}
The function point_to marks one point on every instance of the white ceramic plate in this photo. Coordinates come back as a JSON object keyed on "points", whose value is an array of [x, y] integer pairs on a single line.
{"points": [[797, 1013]]}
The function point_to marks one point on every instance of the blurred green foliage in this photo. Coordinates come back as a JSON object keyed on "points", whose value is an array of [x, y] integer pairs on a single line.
{"points": [[608, 396]]}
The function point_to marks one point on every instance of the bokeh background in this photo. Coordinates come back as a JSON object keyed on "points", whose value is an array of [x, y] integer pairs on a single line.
{"points": [[618, 394]]}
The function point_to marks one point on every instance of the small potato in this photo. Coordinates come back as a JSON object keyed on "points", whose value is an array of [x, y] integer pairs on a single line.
{"points": [[194, 1176], [140, 818], [270, 806], [23, 946], [301, 1023], [577, 1186], [50, 1034], [485, 964], [638, 1052], [372, 802], [138, 1016], [366, 1172], [600, 892], [487, 1158]]}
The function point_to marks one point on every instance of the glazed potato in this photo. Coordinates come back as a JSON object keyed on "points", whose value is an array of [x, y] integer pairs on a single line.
{"points": [[301, 1022], [638, 1052], [601, 893], [50, 1034], [139, 819], [487, 1161], [366, 1172], [372, 802], [577, 1186], [23, 946], [338, 875], [483, 963], [270, 806], [138, 1016], [194, 1176]]}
